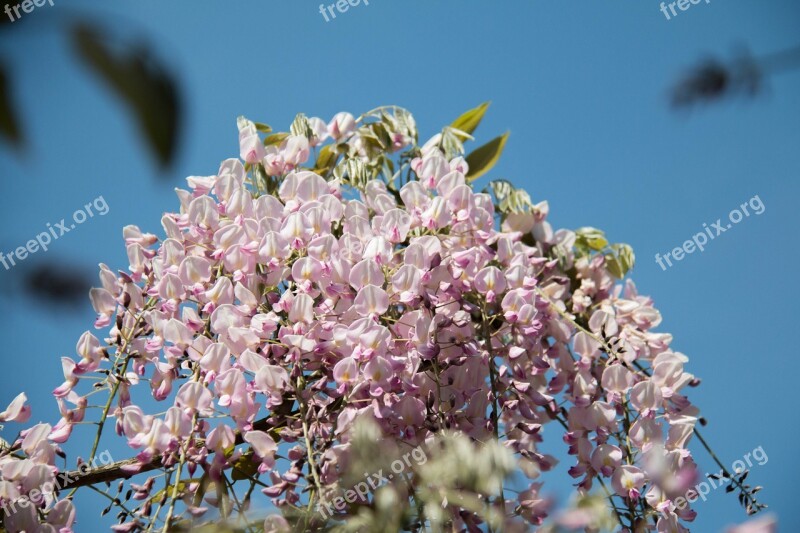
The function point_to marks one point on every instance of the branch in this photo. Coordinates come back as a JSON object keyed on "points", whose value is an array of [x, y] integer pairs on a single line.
{"points": [[74, 479]]}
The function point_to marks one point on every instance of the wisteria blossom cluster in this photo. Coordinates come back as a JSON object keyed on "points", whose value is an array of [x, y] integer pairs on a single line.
{"points": [[339, 294]]}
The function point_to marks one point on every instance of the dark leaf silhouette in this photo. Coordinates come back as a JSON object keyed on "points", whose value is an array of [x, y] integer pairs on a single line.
{"points": [[714, 80], [145, 86], [58, 283], [9, 125]]}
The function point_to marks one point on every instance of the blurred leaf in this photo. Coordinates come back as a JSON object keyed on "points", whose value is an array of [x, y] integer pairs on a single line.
{"points": [[484, 158], [709, 81], [224, 497], [713, 80], [58, 283], [144, 84], [469, 121], [9, 125], [202, 487]]}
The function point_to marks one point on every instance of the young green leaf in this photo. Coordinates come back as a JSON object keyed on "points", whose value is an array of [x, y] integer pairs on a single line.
{"points": [[325, 160], [275, 138], [470, 120], [263, 128], [484, 158], [592, 238]]}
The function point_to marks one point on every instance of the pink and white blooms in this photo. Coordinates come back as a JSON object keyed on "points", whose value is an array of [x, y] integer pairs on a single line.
{"points": [[340, 273]]}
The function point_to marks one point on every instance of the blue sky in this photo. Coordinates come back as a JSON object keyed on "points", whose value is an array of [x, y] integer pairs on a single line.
{"points": [[581, 85]]}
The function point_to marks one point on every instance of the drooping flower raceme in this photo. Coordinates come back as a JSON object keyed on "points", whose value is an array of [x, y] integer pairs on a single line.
{"points": [[340, 274]]}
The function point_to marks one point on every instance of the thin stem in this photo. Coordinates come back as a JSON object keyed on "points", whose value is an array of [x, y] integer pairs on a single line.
{"points": [[115, 388], [161, 501], [611, 500], [115, 501], [312, 465], [181, 462], [495, 407]]}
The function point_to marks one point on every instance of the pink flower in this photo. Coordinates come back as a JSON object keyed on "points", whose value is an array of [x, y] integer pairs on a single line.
{"points": [[295, 151], [395, 225], [378, 371], [371, 300], [627, 481], [91, 353], [104, 305], [264, 448], [668, 523], [410, 308], [606, 459], [272, 379], [194, 397], [646, 397], [154, 440], [68, 366], [302, 309], [765, 524], [490, 281], [345, 371], [411, 412], [251, 149], [221, 439], [366, 272], [519, 306], [341, 126], [17, 411]]}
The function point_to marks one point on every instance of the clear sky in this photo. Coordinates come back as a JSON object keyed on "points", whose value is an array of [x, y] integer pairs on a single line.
{"points": [[582, 86]]}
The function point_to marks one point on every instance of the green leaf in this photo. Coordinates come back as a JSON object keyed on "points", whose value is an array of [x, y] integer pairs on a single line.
{"points": [[614, 266], [9, 125], [620, 260], [592, 238], [469, 121], [244, 467], [325, 160], [205, 482], [275, 138], [263, 128], [301, 127], [144, 85], [183, 485], [484, 158], [501, 189], [224, 497]]}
